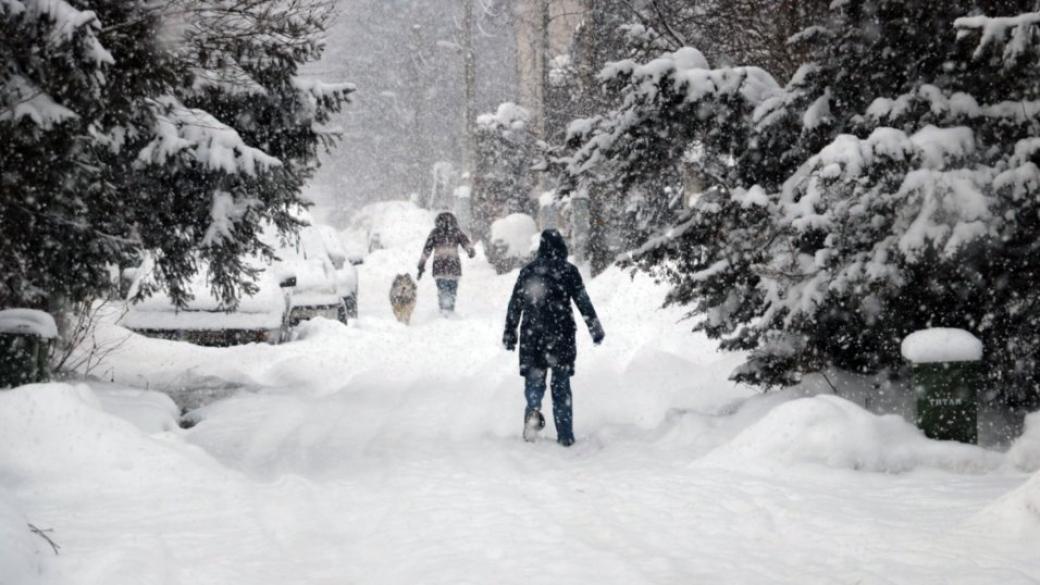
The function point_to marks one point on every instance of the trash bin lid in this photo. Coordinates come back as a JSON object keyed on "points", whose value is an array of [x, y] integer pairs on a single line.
{"points": [[27, 322], [941, 344]]}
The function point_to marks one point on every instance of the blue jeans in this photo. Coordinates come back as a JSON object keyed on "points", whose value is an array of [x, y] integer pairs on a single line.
{"points": [[447, 289], [534, 389]]}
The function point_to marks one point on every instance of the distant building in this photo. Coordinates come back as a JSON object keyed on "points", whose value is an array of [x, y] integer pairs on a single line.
{"points": [[536, 46]]}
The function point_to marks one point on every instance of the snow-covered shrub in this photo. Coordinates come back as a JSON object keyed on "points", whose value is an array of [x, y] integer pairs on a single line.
{"points": [[514, 240]]}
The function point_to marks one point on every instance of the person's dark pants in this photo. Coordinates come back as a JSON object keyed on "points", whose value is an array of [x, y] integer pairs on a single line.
{"points": [[447, 289], [534, 389]]}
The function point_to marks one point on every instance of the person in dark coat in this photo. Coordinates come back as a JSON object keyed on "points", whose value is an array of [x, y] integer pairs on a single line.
{"points": [[541, 307], [443, 243]]}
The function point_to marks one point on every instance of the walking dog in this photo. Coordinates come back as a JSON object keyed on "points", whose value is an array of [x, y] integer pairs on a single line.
{"points": [[403, 293]]}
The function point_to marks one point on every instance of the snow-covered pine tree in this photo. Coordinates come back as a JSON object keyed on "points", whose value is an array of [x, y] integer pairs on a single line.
{"points": [[807, 319], [670, 108], [894, 224], [107, 160], [63, 218], [573, 90], [1001, 77], [881, 191], [619, 219], [245, 58], [504, 179]]}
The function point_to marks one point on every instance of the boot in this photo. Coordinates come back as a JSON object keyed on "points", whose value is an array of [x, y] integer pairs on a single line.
{"points": [[533, 423]]}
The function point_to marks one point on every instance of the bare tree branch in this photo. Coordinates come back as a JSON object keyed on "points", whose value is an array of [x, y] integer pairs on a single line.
{"points": [[43, 533]]}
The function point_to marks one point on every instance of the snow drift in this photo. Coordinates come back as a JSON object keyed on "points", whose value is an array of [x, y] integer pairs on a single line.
{"points": [[84, 444], [832, 431]]}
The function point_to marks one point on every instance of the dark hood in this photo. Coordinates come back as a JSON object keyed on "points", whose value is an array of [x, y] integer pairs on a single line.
{"points": [[552, 246]]}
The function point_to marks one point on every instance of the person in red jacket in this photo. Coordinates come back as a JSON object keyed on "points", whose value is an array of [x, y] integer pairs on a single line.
{"points": [[444, 243]]}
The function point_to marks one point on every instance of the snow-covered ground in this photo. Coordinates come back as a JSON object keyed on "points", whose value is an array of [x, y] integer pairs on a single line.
{"points": [[385, 454]]}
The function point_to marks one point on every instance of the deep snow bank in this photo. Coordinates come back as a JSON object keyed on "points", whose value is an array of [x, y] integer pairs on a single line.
{"points": [[832, 431], [60, 445], [63, 431]]}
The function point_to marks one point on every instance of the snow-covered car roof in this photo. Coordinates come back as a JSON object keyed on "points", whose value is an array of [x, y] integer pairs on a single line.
{"points": [[263, 310], [305, 259]]}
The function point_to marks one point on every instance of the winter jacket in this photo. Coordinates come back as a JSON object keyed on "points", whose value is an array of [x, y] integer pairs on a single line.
{"points": [[541, 307], [443, 242]]}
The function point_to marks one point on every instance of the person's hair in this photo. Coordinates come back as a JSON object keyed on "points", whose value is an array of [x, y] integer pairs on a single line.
{"points": [[446, 221], [445, 228]]}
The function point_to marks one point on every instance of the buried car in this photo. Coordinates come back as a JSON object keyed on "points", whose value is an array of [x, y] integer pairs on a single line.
{"points": [[311, 278], [318, 276]]}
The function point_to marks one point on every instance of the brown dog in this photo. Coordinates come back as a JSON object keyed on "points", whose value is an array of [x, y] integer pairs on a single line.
{"points": [[402, 297]]}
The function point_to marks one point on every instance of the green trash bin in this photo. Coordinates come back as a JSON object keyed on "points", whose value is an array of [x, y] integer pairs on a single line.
{"points": [[946, 373], [25, 341]]}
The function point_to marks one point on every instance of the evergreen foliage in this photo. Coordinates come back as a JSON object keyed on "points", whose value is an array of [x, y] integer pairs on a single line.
{"points": [[619, 218], [171, 131], [889, 186], [504, 180]]}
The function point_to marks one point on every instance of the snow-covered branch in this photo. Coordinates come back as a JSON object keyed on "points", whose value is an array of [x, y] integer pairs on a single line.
{"points": [[1018, 36], [207, 141]]}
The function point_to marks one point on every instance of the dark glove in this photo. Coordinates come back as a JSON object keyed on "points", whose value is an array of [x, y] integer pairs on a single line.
{"points": [[422, 269], [597, 334], [509, 340]]}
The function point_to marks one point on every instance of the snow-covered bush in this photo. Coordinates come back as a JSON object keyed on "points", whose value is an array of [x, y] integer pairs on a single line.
{"points": [[514, 240]]}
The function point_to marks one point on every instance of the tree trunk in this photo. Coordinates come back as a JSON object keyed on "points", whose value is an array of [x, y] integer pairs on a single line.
{"points": [[470, 72]]}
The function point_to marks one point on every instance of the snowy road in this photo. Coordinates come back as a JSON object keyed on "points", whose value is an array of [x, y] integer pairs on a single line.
{"points": [[383, 454]]}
